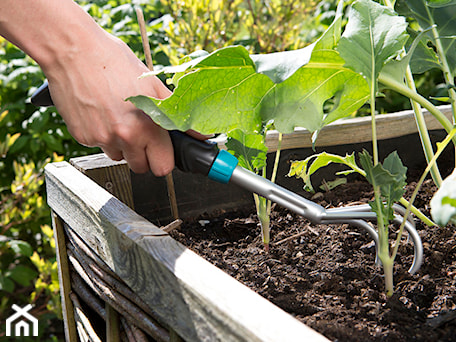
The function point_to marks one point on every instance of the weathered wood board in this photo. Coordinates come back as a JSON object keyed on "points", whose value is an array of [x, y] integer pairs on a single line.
{"points": [[195, 298]]}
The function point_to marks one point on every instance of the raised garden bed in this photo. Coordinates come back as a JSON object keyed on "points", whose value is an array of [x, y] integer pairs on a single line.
{"points": [[187, 297]]}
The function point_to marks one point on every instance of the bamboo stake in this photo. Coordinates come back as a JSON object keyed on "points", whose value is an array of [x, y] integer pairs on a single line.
{"points": [[150, 65]]}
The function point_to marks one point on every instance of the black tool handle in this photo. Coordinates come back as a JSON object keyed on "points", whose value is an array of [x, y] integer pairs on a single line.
{"points": [[190, 154], [42, 97]]}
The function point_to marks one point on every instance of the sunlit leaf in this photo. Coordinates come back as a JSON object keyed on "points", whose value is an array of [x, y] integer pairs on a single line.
{"points": [[229, 89], [373, 35], [304, 169]]}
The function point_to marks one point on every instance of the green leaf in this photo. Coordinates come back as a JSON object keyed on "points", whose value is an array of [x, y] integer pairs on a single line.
{"points": [[279, 66], [22, 275], [21, 247], [373, 35], [443, 16], [229, 89], [301, 168], [443, 203], [389, 177], [375, 175], [419, 56], [212, 98], [393, 192], [299, 101], [440, 3], [6, 284], [424, 57], [248, 148]]}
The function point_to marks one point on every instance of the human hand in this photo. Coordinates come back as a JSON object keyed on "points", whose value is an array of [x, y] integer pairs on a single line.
{"points": [[90, 74], [89, 93]]}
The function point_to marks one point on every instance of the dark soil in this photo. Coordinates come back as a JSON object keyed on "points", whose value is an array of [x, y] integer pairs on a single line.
{"points": [[326, 275]]}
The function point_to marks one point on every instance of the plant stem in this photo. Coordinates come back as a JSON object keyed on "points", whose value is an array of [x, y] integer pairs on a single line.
{"points": [[442, 146], [276, 166], [383, 242], [263, 215], [449, 79], [420, 122], [388, 272], [422, 129], [404, 90], [417, 213]]}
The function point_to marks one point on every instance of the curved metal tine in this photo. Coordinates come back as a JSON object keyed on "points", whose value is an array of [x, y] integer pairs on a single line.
{"points": [[417, 244], [413, 233], [354, 212], [363, 225]]}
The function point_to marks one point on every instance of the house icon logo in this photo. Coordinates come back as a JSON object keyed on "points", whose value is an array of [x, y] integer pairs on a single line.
{"points": [[19, 321]]}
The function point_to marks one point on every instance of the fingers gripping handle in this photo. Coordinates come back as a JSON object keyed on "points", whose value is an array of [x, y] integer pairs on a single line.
{"points": [[191, 155]]}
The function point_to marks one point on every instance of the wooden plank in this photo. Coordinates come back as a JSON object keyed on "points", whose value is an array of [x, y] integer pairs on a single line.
{"points": [[357, 130], [112, 175], [64, 280], [112, 324], [197, 299]]}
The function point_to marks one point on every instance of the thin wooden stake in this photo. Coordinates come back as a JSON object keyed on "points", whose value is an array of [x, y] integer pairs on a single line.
{"points": [[150, 65]]}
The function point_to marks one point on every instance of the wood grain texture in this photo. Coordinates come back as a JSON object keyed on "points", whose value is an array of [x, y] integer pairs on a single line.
{"points": [[112, 175], [201, 302], [356, 130]]}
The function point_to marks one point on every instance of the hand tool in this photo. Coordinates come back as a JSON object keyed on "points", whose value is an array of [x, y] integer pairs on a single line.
{"points": [[204, 157]]}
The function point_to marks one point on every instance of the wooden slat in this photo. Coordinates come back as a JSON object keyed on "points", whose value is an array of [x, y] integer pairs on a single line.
{"points": [[357, 130], [112, 175], [188, 293], [112, 324], [64, 280]]}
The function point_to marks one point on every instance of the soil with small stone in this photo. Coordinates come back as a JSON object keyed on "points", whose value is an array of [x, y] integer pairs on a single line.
{"points": [[326, 276]]}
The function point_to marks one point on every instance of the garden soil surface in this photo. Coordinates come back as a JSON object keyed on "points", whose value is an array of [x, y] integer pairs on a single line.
{"points": [[326, 276]]}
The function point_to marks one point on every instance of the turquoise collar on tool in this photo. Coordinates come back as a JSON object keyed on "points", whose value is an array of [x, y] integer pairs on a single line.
{"points": [[223, 167]]}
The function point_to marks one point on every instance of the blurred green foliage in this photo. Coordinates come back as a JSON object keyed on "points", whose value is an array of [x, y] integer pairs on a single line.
{"points": [[30, 137]]}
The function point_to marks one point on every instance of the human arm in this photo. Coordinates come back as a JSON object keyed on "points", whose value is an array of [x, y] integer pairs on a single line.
{"points": [[90, 73]]}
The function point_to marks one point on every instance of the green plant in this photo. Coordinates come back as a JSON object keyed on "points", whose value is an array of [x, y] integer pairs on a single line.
{"points": [[260, 26], [244, 95], [201, 25], [392, 66], [279, 25]]}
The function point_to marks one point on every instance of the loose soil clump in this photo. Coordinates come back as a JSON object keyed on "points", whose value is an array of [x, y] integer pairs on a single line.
{"points": [[326, 276]]}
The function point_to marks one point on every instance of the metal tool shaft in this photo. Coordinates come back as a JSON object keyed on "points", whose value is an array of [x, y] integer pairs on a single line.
{"points": [[264, 187], [292, 201]]}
